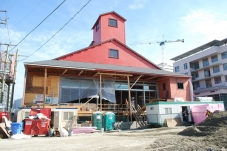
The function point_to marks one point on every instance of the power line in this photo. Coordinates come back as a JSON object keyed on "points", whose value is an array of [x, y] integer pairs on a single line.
{"points": [[7, 27], [29, 12], [13, 5], [58, 30], [38, 25]]}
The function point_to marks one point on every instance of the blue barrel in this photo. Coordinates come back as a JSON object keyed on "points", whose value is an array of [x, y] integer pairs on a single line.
{"points": [[16, 128], [109, 120], [97, 120]]}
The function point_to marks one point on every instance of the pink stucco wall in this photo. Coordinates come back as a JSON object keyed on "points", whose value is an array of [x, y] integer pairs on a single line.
{"points": [[100, 54], [174, 92], [107, 32], [199, 111]]}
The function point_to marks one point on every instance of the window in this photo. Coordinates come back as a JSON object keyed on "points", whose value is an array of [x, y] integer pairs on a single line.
{"points": [[225, 66], [196, 84], [214, 58], [68, 116], [185, 66], [97, 26], [113, 53], [196, 65], [205, 63], [207, 73], [180, 85], [164, 86], [217, 80], [113, 22], [177, 69], [186, 73], [168, 110], [27, 114], [208, 83], [224, 55], [195, 75], [225, 78], [216, 69]]}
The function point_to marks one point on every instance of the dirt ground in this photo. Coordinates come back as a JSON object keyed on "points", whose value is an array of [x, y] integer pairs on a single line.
{"points": [[160, 139], [210, 135]]}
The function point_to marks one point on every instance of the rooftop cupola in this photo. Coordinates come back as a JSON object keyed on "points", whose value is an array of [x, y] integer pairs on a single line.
{"points": [[107, 26]]}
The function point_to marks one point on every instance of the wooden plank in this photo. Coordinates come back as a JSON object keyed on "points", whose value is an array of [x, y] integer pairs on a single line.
{"points": [[64, 71], [115, 74], [80, 72], [3, 130], [100, 93], [44, 93], [136, 80], [129, 99]]}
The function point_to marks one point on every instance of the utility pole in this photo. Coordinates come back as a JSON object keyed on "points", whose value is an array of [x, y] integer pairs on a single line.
{"points": [[4, 20], [4, 72], [14, 79]]}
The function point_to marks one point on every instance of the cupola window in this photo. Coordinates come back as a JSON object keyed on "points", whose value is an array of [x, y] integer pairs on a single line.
{"points": [[113, 22]]}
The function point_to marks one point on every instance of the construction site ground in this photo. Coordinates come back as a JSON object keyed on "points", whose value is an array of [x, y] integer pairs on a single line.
{"points": [[147, 139], [209, 135]]}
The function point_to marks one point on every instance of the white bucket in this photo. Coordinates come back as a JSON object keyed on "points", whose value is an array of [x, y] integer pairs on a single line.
{"points": [[102, 130]]}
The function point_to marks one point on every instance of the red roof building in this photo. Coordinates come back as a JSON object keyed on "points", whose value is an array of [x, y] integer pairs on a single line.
{"points": [[106, 71]]}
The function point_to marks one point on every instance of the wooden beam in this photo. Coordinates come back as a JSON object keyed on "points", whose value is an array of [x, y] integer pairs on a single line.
{"points": [[64, 71], [152, 77], [45, 83], [129, 99], [163, 78], [100, 92], [136, 81], [96, 74], [24, 90], [117, 74], [80, 72]]}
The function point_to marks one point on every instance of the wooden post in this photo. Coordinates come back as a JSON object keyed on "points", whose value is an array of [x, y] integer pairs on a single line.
{"points": [[100, 93], [129, 99], [25, 78], [45, 83], [59, 95]]}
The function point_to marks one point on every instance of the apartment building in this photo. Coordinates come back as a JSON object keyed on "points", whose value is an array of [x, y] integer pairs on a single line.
{"points": [[207, 65]]}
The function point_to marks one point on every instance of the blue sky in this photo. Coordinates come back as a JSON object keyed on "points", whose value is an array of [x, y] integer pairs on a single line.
{"points": [[195, 21]]}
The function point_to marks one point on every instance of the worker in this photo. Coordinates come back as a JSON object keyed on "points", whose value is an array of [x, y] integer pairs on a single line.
{"points": [[185, 115], [51, 131], [207, 113], [133, 102], [126, 103]]}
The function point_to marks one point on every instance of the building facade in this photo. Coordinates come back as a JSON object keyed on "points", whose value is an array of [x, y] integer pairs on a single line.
{"points": [[107, 71], [207, 65]]}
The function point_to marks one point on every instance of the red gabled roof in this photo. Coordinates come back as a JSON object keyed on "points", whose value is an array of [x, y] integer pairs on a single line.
{"points": [[113, 12], [110, 40]]}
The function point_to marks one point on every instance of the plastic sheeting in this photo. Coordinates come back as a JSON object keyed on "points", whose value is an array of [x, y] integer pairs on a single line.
{"points": [[73, 89]]}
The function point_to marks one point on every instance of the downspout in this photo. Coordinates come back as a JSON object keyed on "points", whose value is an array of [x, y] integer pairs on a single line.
{"points": [[191, 90]]}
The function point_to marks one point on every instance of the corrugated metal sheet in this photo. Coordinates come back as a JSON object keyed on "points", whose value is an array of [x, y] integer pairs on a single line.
{"points": [[93, 66]]}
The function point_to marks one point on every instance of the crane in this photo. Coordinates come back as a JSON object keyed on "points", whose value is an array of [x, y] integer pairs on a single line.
{"points": [[162, 44]]}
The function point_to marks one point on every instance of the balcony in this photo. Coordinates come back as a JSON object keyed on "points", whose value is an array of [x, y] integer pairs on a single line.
{"points": [[209, 66], [212, 88], [208, 77]]}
